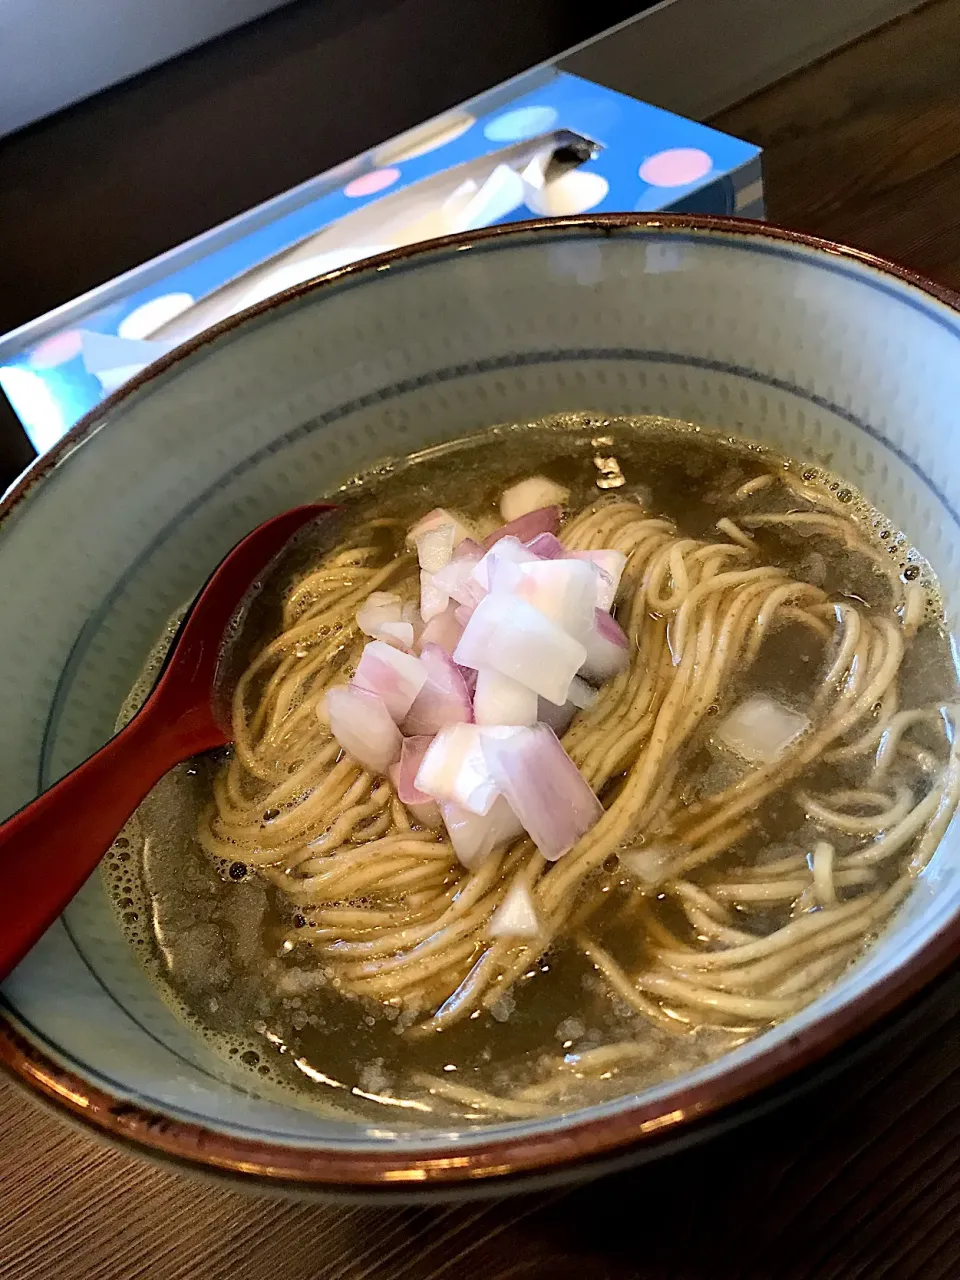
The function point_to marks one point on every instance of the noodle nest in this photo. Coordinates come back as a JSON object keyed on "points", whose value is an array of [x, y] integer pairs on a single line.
{"points": [[387, 913]]}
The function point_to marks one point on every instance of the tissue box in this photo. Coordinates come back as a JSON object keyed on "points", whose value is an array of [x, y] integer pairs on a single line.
{"points": [[547, 143]]}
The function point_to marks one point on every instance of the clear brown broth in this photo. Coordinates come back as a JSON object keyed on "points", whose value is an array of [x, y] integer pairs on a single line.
{"points": [[211, 935]]}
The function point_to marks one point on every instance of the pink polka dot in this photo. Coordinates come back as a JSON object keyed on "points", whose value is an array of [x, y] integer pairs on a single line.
{"points": [[675, 168], [56, 350], [368, 184]]}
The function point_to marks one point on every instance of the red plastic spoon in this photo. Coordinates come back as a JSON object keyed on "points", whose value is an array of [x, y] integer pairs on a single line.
{"points": [[49, 848]]}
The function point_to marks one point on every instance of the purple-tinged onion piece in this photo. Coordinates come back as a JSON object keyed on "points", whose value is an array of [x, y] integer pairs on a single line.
{"points": [[363, 726], [544, 788], [391, 674], [474, 837], [608, 649], [514, 638], [527, 527], [444, 697]]}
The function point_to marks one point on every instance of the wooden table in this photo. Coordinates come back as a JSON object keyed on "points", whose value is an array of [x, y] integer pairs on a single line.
{"points": [[859, 1179]]}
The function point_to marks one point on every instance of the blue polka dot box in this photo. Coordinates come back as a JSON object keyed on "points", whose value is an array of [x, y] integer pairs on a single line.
{"points": [[545, 144]]}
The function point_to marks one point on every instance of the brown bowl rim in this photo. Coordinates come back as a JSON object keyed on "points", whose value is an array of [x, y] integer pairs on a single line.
{"points": [[636, 1126]]}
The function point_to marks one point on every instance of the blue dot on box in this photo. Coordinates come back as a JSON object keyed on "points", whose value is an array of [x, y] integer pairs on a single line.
{"points": [[523, 122]]}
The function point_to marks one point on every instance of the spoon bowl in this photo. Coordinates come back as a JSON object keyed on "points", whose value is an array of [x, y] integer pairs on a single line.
{"points": [[50, 847]]}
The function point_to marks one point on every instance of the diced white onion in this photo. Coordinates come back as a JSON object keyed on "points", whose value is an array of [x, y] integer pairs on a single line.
{"points": [[455, 767], [397, 634], [363, 726], [435, 547], [468, 547], [433, 599], [564, 591], [499, 700], [458, 581], [497, 563], [515, 917], [543, 787], [759, 730], [394, 676], [380, 609], [530, 495], [427, 813], [412, 752], [444, 698], [510, 636], [610, 565], [433, 520], [547, 546], [411, 614], [474, 837], [581, 694], [443, 630], [608, 649], [649, 863]]}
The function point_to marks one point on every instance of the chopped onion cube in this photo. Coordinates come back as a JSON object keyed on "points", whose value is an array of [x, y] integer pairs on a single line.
{"points": [[543, 787], [455, 767], [435, 547], [474, 837], [433, 520], [512, 637], [398, 634], [502, 557], [382, 604], [759, 729], [444, 630], [444, 698], [363, 726], [611, 565], [392, 675], [427, 814], [411, 614], [649, 863], [531, 494], [457, 579], [506, 577], [433, 599], [608, 649], [581, 694], [525, 528], [500, 700], [610, 629], [546, 546], [380, 609], [564, 591], [412, 752], [515, 917], [468, 547]]}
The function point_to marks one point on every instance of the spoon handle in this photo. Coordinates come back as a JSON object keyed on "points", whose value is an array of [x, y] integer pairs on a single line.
{"points": [[50, 847]]}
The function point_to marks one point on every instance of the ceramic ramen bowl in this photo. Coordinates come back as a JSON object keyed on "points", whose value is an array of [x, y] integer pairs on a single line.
{"points": [[817, 351]]}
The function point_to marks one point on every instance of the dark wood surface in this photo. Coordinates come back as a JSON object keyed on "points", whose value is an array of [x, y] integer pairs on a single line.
{"points": [[865, 147], [859, 1178]]}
